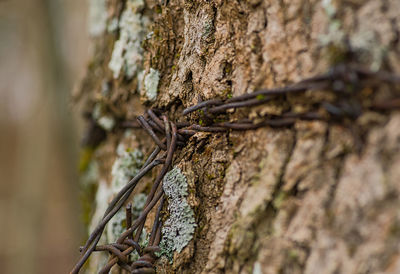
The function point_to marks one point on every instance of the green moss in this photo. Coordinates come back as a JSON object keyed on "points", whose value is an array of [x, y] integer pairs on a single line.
{"points": [[85, 158], [293, 254], [87, 198], [158, 9], [241, 235], [334, 39], [394, 230], [228, 68], [280, 198], [219, 120], [88, 188], [336, 54], [260, 97], [226, 93]]}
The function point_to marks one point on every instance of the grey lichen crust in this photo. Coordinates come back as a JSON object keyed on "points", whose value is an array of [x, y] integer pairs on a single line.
{"points": [[97, 17], [128, 53], [125, 167], [117, 224], [179, 228], [151, 84], [105, 121]]}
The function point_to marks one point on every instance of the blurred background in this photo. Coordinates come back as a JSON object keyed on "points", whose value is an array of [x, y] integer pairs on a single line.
{"points": [[44, 48]]}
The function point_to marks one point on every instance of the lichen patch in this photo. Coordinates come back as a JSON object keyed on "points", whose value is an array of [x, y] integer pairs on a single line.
{"points": [[179, 228], [127, 55], [151, 84], [97, 17], [126, 166]]}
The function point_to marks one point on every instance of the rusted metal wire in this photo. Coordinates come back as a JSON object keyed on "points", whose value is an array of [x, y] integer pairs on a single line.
{"points": [[128, 214], [130, 124], [154, 117], [213, 102], [387, 104], [247, 103], [150, 131], [112, 209], [168, 135], [151, 201]]}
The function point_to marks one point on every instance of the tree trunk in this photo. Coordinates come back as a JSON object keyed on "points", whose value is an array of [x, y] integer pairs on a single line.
{"points": [[314, 197]]}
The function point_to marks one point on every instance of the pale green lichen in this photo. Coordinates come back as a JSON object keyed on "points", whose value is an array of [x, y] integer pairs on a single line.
{"points": [[365, 39], [117, 225], [365, 42], [91, 174], [105, 121], [105, 88], [112, 26], [97, 17], [138, 203], [137, 206], [102, 196], [125, 167], [151, 84], [127, 54], [97, 111], [373, 35], [140, 76], [335, 34], [179, 228], [208, 29], [329, 8], [99, 259], [257, 268]]}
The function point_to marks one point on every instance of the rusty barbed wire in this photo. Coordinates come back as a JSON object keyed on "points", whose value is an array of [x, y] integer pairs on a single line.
{"points": [[347, 80]]}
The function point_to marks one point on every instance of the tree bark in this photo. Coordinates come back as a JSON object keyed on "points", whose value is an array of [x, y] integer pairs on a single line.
{"points": [[317, 197]]}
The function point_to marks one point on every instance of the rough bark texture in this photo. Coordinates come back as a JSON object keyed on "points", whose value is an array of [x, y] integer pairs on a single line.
{"points": [[314, 198]]}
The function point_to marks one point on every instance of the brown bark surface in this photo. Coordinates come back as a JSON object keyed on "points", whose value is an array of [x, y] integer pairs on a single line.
{"points": [[318, 197]]}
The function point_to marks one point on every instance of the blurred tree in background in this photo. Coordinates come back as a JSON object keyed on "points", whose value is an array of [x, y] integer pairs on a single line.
{"points": [[43, 49]]}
